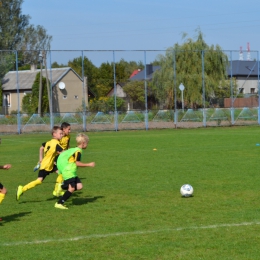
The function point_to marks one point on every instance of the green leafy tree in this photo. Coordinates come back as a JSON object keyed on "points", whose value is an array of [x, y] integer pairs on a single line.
{"points": [[35, 39], [90, 71], [12, 24], [106, 104], [188, 58], [30, 101]]}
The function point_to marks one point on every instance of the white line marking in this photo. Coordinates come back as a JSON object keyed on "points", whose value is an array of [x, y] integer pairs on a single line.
{"points": [[126, 234]]}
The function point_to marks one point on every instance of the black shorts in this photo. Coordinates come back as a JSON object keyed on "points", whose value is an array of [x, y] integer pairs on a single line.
{"points": [[1, 186], [43, 173], [72, 181]]}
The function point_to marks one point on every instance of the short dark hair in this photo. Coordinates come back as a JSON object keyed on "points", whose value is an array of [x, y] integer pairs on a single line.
{"points": [[64, 125]]}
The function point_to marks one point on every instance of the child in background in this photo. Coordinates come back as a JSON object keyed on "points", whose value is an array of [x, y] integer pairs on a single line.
{"points": [[3, 190], [64, 143], [51, 150], [67, 164]]}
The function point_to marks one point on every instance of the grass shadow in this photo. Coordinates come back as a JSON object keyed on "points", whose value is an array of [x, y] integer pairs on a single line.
{"points": [[81, 201], [14, 217]]}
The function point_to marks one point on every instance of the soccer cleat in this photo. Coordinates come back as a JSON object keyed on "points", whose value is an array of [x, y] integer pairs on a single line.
{"points": [[60, 206], [38, 165], [19, 192]]}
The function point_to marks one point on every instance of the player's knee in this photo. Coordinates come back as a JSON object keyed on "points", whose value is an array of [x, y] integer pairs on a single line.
{"points": [[79, 186], [71, 189]]}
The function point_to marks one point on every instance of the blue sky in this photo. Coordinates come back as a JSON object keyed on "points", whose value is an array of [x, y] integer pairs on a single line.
{"points": [[145, 24]]}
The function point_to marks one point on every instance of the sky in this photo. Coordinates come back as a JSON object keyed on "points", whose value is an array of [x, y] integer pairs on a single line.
{"points": [[132, 26]]}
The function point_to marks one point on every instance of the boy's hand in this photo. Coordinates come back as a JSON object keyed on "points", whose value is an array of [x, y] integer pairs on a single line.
{"points": [[7, 166], [92, 164]]}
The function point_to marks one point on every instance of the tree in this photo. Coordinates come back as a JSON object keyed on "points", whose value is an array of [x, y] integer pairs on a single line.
{"points": [[106, 104], [188, 62], [12, 24], [30, 101], [90, 70], [33, 41]]}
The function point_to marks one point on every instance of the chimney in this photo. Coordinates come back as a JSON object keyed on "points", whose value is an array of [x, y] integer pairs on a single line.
{"points": [[149, 69]]}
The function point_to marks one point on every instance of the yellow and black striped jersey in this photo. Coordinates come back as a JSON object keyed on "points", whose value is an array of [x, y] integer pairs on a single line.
{"points": [[51, 149], [64, 142]]}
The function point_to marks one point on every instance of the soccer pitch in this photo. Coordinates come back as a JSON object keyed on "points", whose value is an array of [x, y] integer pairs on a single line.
{"points": [[130, 206]]}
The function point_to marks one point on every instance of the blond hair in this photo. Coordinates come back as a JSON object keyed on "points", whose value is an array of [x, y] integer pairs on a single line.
{"points": [[82, 138], [55, 129]]}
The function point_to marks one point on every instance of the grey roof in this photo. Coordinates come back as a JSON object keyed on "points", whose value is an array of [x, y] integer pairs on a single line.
{"points": [[27, 77], [243, 68], [239, 68]]}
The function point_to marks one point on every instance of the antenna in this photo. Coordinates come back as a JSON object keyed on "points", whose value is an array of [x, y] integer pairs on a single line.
{"points": [[248, 51], [241, 57], [61, 85]]}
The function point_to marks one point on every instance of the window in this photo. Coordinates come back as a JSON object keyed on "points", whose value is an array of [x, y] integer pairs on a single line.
{"points": [[7, 99], [252, 90], [76, 97], [241, 90], [65, 97]]}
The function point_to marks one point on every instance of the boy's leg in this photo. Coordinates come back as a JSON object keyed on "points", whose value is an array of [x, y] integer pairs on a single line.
{"points": [[21, 189], [70, 185], [2, 192], [57, 189]]}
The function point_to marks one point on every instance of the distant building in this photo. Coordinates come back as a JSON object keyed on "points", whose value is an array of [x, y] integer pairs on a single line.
{"points": [[67, 89]]}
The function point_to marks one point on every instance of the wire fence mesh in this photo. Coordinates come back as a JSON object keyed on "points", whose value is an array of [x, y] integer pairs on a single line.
{"points": [[162, 97]]}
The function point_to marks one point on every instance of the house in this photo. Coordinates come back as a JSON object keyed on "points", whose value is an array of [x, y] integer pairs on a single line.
{"points": [[67, 89], [246, 74], [138, 75], [150, 69]]}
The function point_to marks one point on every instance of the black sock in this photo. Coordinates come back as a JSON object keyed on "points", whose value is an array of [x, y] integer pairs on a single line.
{"points": [[65, 196]]}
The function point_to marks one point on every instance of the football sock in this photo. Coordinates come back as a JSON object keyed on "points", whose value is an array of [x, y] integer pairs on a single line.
{"points": [[31, 185], [65, 196], [59, 178], [59, 181], [2, 196]]}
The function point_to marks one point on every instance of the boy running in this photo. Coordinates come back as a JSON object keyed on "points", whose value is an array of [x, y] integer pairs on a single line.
{"points": [[51, 149], [67, 164], [64, 143]]}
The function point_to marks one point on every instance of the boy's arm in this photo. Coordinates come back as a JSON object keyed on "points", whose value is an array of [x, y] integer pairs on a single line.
{"points": [[41, 153], [59, 149], [6, 166], [81, 164]]}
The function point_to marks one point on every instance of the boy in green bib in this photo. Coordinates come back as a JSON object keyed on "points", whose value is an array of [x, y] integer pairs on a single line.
{"points": [[68, 162]]}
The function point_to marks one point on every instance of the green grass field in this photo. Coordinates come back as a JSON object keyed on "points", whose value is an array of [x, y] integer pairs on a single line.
{"points": [[130, 206]]}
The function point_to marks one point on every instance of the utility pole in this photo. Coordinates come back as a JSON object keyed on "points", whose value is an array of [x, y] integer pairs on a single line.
{"points": [[40, 87]]}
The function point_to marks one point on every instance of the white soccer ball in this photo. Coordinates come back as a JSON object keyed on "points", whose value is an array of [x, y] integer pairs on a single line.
{"points": [[186, 190]]}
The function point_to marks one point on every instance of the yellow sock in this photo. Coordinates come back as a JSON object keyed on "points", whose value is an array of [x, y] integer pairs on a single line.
{"points": [[2, 196], [31, 185], [59, 181], [59, 178]]}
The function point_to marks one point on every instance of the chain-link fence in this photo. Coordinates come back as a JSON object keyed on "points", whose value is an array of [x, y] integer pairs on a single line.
{"points": [[117, 89]]}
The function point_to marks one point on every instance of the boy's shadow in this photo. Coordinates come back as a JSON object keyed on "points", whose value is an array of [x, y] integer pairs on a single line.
{"points": [[14, 217], [81, 201]]}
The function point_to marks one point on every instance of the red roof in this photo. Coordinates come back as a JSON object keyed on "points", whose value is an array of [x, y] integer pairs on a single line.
{"points": [[135, 72]]}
